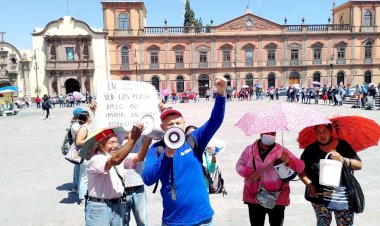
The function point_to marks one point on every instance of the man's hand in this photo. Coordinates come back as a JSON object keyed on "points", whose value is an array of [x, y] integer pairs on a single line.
{"points": [[136, 131], [221, 85], [93, 106]]}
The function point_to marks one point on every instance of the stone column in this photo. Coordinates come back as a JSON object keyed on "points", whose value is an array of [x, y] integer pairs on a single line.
{"points": [[59, 83], [50, 87], [81, 79]]}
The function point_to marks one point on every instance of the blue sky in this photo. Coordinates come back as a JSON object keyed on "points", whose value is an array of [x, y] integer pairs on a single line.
{"points": [[18, 18]]}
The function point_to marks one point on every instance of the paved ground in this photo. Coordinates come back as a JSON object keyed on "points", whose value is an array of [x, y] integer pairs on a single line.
{"points": [[35, 179]]}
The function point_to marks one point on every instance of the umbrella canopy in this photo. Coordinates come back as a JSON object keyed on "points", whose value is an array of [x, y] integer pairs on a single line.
{"points": [[77, 95], [244, 86], [277, 118], [8, 89], [165, 92], [360, 132], [296, 85], [316, 83], [90, 145]]}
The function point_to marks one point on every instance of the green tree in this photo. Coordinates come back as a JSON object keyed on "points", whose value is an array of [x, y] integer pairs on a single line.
{"points": [[189, 15]]}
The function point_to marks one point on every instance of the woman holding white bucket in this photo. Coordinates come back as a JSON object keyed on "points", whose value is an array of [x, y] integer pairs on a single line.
{"points": [[328, 199]]}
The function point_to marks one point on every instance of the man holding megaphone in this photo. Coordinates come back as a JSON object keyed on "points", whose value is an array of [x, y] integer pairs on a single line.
{"points": [[185, 198]]}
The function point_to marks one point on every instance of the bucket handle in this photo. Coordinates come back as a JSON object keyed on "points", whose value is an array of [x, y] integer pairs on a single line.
{"points": [[328, 155]]}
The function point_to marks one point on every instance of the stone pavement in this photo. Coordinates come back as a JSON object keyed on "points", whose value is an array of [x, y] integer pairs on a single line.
{"points": [[35, 180]]}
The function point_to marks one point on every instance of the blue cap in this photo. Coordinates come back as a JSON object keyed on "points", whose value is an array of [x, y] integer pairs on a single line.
{"points": [[77, 111]]}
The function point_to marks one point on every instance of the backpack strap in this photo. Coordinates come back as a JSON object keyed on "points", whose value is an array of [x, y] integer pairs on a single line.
{"points": [[191, 141]]}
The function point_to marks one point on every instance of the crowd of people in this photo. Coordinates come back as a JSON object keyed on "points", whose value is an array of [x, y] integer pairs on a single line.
{"points": [[110, 184]]}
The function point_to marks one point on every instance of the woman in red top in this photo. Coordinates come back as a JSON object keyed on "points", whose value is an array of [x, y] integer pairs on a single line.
{"points": [[38, 101]]}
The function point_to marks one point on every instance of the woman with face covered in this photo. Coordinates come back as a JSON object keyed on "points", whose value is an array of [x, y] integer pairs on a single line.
{"points": [[255, 165], [105, 187], [322, 201]]}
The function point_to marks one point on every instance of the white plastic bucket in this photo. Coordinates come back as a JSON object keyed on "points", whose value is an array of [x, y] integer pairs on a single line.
{"points": [[329, 171]]}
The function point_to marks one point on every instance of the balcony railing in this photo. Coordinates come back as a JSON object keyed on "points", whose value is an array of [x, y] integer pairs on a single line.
{"points": [[154, 66], [179, 65], [368, 61], [177, 30], [249, 64], [203, 64], [226, 64], [318, 28], [341, 61], [294, 62], [317, 61], [124, 66], [271, 63]]}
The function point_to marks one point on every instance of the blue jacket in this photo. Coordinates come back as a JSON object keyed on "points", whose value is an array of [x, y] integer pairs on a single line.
{"points": [[192, 204]]}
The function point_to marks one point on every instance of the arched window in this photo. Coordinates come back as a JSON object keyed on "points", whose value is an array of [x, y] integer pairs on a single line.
{"points": [[123, 22], [126, 78], [367, 20], [203, 85], [124, 55], [340, 78], [367, 77], [316, 77], [368, 50], [271, 80], [249, 80], [180, 84], [228, 77], [156, 82]]}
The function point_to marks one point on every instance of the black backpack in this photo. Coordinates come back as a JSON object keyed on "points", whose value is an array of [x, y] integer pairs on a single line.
{"points": [[215, 182]]}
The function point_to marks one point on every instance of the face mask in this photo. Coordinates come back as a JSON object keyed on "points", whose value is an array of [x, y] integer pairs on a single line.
{"points": [[268, 140]]}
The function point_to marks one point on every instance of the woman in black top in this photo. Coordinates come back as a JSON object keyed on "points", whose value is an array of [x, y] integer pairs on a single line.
{"points": [[316, 193]]}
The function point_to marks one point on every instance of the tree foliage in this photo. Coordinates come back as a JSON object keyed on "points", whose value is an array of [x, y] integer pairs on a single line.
{"points": [[189, 15]]}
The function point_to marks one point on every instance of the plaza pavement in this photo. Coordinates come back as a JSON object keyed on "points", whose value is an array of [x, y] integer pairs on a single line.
{"points": [[35, 180]]}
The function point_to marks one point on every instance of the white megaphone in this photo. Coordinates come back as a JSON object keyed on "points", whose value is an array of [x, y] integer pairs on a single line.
{"points": [[149, 128], [174, 138], [285, 173]]}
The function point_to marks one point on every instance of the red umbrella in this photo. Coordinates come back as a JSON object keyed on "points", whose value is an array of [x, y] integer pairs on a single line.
{"points": [[360, 132], [279, 117]]}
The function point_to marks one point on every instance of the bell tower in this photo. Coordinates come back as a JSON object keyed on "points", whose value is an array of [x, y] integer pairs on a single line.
{"points": [[123, 18]]}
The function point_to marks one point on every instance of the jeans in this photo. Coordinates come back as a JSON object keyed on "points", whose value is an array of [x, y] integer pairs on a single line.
{"points": [[83, 180], [76, 175], [257, 215], [98, 213], [136, 201], [208, 222]]}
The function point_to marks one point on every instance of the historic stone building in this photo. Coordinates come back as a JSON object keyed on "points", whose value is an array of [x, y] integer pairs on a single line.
{"points": [[14, 67], [246, 50], [68, 55]]}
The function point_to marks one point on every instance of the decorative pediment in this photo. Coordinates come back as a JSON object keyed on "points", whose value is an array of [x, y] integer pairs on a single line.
{"points": [[341, 43], [153, 48], [294, 45], [271, 46], [317, 45], [178, 47], [226, 46], [203, 47], [371, 40], [249, 22], [249, 46]]}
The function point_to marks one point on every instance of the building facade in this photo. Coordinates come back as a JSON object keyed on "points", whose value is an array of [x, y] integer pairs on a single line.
{"points": [[68, 55], [14, 67], [246, 50]]}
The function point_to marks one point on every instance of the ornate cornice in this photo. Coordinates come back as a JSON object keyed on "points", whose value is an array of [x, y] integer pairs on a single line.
{"points": [[257, 24]]}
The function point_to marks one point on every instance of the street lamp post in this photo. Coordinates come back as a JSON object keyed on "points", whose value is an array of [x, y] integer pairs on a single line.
{"points": [[36, 67], [136, 63], [331, 67]]}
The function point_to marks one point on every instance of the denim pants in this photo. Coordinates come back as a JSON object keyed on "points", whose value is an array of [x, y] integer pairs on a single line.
{"points": [[136, 201], [99, 214], [208, 222], [83, 180], [76, 176]]}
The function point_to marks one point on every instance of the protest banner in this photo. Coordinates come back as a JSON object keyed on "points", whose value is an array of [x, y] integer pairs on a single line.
{"points": [[122, 103]]}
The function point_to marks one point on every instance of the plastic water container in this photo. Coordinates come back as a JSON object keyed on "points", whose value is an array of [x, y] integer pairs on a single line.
{"points": [[329, 171]]}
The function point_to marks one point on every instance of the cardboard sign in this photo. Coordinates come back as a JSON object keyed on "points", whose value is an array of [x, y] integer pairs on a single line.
{"points": [[122, 103]]}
